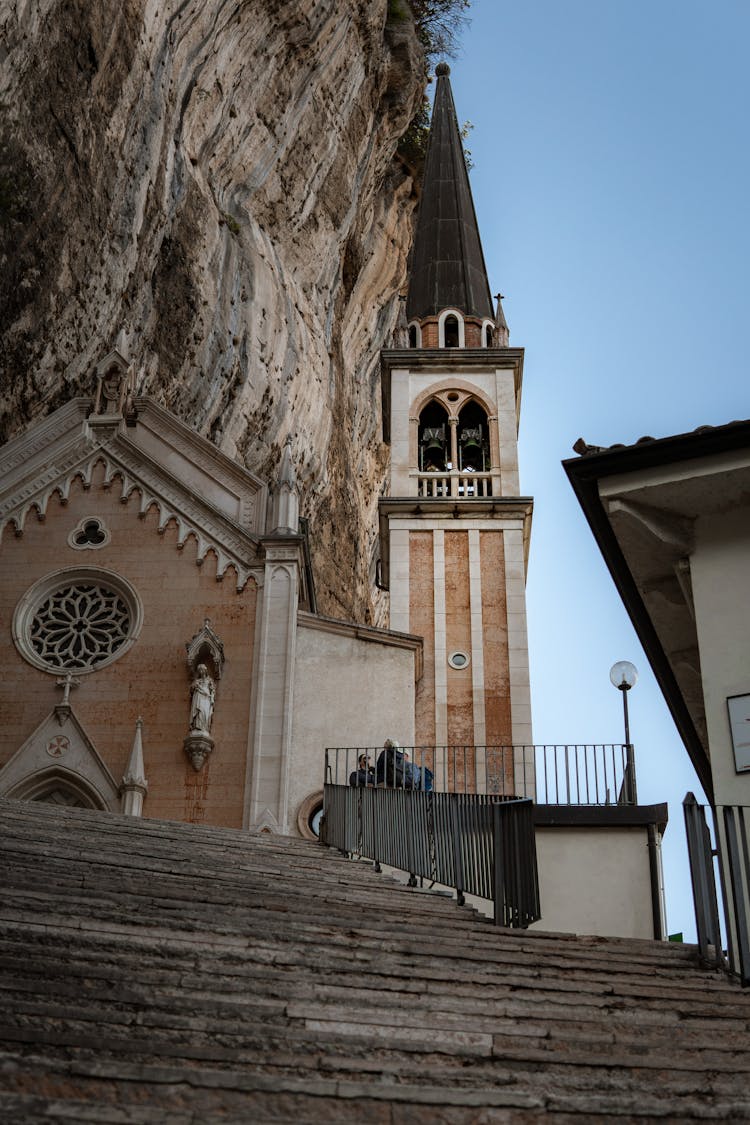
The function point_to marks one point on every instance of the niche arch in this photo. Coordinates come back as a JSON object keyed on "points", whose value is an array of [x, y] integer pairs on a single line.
{"points": [[446, 329]]}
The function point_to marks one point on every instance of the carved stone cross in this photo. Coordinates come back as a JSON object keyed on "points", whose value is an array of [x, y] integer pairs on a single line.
{"points": [[67, 682]]}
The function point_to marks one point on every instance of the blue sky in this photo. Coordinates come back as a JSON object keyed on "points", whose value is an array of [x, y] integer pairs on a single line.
{"points": [[611, 178]]}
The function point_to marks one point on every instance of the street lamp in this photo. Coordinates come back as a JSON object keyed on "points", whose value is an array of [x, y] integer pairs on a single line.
{"points": [[624, 676]]}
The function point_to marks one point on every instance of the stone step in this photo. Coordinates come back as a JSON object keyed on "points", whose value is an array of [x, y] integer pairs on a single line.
{"points": [[308, 949], [161, 1023], [266, 1095], [161, 972]]}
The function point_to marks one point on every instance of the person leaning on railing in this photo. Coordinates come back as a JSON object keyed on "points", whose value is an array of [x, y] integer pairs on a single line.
{"points": [[394, 769], [364, 773], [389, 769]]}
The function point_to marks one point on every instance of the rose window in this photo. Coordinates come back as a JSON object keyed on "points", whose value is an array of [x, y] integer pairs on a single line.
{"points": [[77, 621], [80, 626]]}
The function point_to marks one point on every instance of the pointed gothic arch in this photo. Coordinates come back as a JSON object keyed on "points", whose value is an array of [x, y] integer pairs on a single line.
{"points": [[433, 438], [59, 786]]}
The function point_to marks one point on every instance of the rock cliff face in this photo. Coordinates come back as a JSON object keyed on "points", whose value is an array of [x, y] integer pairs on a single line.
{"points": [[217, 178]]}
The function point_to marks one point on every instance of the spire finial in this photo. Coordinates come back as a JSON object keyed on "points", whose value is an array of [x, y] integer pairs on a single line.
{"points": [[442, 70], [501, 324], [134, 784]]}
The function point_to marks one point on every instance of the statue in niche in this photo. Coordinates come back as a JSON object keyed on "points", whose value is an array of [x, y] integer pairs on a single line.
{"points": [[111, 391], [202, 699]]}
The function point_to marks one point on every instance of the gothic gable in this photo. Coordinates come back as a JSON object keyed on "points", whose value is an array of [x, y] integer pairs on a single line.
{"points": [[60, 758], [147, 450]]}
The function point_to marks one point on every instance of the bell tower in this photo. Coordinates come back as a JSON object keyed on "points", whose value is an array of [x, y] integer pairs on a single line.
{"points": [[454, 526]]}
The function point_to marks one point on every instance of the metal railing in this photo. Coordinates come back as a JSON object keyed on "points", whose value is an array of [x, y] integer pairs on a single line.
{"points": [[582, 774], [731, 832], [478, 844]]}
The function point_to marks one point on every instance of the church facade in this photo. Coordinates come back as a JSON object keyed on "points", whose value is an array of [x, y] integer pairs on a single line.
{"points": [[156, 609]]}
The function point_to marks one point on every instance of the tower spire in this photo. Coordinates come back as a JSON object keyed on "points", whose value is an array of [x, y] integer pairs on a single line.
{"points": [[448, 269]]}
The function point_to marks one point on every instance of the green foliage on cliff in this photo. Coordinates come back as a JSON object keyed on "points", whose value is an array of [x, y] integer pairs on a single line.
{"points": [[438, 24]]}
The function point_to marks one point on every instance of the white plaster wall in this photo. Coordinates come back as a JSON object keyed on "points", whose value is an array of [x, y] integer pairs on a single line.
{"points": [[347, 692], [720, 573], [507, 428], [592, 881], [401, 394], [595, 881]]}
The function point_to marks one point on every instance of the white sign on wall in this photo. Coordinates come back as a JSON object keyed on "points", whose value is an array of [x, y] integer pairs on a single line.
{"points": [[739, 721]]}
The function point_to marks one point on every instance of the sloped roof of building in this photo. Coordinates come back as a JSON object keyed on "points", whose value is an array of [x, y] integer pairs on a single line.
{"points": [[447, 269], [649, 581]]}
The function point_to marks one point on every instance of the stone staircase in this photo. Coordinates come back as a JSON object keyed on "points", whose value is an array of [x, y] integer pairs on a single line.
{"points": [[155, 972]]}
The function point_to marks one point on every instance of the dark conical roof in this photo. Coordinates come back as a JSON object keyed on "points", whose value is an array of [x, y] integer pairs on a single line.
{"points": [[448, 268]]}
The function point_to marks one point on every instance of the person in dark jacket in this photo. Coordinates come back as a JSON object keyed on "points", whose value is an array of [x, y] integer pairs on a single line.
{"points": [[389, 769], [364, 773]]}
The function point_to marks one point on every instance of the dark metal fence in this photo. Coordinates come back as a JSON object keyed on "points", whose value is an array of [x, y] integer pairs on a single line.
{"points": [[477, 843], [583, 774], [731, 831], [734, 865]]}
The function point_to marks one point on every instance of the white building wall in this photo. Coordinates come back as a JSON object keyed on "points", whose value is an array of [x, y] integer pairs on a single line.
{"points": [[595, 881], [720, 574], [348, 691]]}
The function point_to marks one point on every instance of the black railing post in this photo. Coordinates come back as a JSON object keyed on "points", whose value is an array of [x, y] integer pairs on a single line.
{"points": [[700, 855], [631, 788], [741, 907], [458, 865], [498, 866]]}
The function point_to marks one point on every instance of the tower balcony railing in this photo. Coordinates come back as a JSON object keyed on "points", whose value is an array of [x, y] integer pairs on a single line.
{"points": [[455, 484], [550, 774]]}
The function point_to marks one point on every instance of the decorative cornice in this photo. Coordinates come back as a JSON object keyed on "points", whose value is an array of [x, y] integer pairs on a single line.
{"points": [[369, 633], [483, 507], [451, 359], [250, 489], [42, 434]]}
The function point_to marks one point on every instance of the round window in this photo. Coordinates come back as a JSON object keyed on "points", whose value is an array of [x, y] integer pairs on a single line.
{"points": [[459, 660], [310, 815], [77, 620]]}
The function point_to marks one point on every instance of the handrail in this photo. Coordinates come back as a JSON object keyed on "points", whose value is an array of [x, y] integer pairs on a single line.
{"points": [[479, 844], [551, 774], [731, 833]]}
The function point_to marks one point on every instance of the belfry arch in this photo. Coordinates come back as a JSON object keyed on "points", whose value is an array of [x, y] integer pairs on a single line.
{"points": [[433, 438]]}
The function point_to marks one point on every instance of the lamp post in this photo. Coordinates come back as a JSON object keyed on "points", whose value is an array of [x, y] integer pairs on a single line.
{"points": [[624, 676]]}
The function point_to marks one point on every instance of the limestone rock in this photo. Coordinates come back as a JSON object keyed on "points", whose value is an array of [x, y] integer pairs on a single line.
{"points": [[217, 178]]}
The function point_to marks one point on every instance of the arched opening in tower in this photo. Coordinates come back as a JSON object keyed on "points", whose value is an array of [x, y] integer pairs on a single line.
{"points": [[473, 439], [433, 438], [451, 333]]}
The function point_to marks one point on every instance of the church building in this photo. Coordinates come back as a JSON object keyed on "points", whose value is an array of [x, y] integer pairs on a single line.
{"points": [[163, 655]]}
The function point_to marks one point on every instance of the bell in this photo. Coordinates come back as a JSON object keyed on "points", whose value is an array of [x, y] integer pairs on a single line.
{"points": [[433, 437], [471, 438]]}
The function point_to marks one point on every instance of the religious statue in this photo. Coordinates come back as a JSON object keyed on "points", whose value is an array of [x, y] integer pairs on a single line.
{"points": [[202, 697]]}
